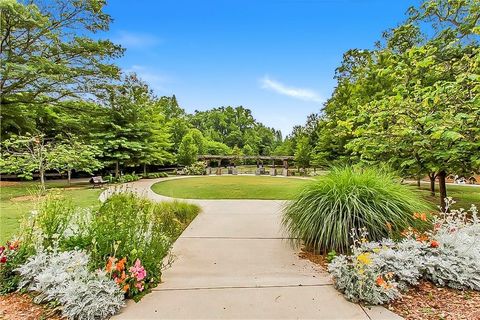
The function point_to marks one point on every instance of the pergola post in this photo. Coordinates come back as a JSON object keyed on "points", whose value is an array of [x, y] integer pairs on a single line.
{"points": [[285, 167], [274, 171]]}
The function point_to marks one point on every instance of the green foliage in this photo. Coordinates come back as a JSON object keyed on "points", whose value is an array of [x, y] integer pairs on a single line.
{"points": [[125, 226], [412, 102], [236, 127], [135, 130], [73, 155], [123, 178], [48, 53], [15, 256], [303, 152], [326, 210], [136, 228], [188, 151], [331, 255], [154, 175], [195, 169], [26, 155]]}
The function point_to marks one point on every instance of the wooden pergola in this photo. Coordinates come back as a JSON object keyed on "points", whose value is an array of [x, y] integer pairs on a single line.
{"points": [[259, 159]]}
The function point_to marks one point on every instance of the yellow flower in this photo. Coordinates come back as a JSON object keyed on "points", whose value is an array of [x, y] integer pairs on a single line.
{"points": [[364, 258]]}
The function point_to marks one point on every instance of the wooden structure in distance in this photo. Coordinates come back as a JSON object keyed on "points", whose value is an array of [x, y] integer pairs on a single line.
{"points": [[259, 159]]}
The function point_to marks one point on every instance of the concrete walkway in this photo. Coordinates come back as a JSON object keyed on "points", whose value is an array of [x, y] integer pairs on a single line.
{"points": [[233, 262]]}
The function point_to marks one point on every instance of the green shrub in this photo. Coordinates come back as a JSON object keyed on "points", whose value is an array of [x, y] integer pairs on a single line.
{"points": [[155, 175], [196, 169], [327, 210], [131, 227], [122, 179], [125, 228]]}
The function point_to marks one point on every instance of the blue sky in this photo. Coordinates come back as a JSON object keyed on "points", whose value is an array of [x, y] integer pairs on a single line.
{"points": [[276, 57]]}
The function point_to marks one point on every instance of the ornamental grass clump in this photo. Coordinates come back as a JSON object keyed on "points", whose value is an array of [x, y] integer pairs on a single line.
{"points": [[326, 210]]}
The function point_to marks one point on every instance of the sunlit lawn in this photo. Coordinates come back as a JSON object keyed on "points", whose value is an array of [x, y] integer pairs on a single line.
{"points": [[231, 187], [13, 208], [254, 187], [464, 195]]}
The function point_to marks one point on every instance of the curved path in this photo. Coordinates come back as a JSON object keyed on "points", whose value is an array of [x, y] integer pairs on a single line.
{"points": [[234, 262]]}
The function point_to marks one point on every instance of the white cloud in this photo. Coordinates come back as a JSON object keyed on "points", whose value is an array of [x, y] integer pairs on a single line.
{"points": [[297, 93], [136, 40]]}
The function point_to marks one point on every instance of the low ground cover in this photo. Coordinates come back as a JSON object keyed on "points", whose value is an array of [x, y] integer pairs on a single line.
{"points": [[231, 187]]}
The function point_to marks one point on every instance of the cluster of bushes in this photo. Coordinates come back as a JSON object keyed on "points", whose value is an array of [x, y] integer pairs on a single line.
{"points": [[89, 261], [196, 169], [339, 212], [155, 175], [123, 178]]}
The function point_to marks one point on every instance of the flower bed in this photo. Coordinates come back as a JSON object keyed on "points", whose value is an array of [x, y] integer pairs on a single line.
{"points": [[89, 262], [448, 255]]}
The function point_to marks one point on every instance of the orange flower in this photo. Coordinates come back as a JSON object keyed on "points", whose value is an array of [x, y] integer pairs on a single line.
{"points": [[111, 261], [389, 226], [121, 279], [381, 282], [434, 244], [422, 238], [125, 288], [121, 264], [421, 216]]}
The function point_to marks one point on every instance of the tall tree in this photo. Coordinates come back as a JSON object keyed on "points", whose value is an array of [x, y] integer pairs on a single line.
{"points": [[187, 151], [71, 155], [48, 54]]}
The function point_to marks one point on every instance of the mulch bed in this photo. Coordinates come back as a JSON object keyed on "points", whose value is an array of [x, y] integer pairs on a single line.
{"points": [[429, 302], [15, 306], [425, 301]]}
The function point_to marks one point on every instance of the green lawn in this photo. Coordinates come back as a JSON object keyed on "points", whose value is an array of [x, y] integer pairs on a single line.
{"points": [[230, 187], [13, 208], [464, 195]]}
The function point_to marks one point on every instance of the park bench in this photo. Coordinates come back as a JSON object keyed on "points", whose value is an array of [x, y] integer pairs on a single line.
{"points": [[97, 181]]}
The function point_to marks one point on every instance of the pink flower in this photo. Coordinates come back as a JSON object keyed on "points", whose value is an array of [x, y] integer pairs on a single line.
{"points": [[138, 271], [139, 286]]}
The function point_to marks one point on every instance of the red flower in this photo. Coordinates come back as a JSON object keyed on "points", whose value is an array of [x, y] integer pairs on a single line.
{"points": [[2, 248], [3, 259], [434, 244], [13, 245]]}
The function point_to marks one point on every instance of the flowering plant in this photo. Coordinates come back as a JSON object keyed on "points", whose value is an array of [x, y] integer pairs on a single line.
{"points": [[11, 256], [132, 280], [448, 255]]}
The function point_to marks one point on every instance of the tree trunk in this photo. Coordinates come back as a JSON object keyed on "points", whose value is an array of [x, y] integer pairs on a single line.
{"points": [[42, 179], [69, 173], [432, 177], [443, 188], [116, 169], [144, 170], [418, 181]]}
